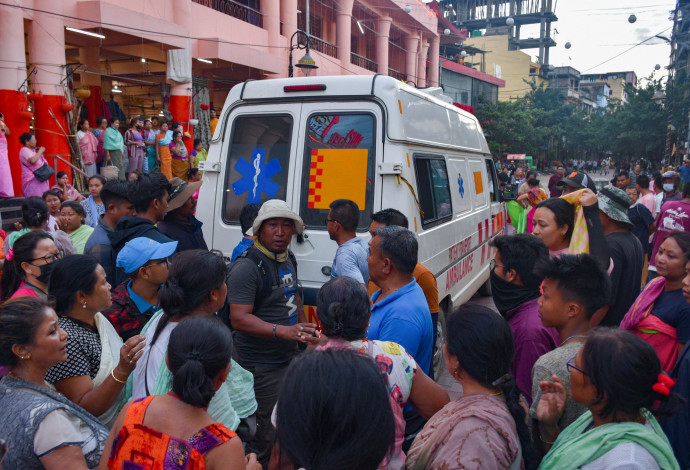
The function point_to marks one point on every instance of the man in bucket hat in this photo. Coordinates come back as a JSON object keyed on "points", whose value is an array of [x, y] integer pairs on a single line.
{"points": [[179, 222], [625, 250], [266, 313]]}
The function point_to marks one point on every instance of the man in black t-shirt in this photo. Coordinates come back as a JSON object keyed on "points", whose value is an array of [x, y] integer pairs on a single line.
{"points": [[266, 312], [625, 250]]}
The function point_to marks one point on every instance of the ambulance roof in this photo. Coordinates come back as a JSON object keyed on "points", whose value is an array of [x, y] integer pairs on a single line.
{"points": [[412, 114]]}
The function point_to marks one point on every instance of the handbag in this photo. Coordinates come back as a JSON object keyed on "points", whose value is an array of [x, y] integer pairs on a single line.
{"points": [[44, 172]]}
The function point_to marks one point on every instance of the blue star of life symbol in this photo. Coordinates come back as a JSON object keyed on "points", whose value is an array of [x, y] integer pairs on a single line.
{"points": [[461, 186], [256, 176]]}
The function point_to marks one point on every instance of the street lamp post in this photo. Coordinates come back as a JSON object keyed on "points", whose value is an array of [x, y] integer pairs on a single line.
{"points": [[306, 62]]}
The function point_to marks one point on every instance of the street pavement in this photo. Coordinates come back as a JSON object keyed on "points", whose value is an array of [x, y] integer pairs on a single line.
{"points": [[446, 380]]}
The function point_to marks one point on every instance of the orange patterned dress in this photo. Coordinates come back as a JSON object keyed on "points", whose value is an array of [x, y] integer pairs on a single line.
{"points": [[142, 448]]}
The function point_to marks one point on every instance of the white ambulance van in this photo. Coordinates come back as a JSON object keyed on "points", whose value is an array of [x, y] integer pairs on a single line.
{"points": [[371, 139]]}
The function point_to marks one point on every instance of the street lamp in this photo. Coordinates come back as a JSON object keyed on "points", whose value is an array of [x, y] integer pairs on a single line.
{"points": [[306, 63]]}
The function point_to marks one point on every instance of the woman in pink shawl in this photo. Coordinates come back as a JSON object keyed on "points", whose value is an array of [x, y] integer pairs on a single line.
{"points": [[6, 187], [88, 144], [660, 315], [486, 426], [31, 160]]}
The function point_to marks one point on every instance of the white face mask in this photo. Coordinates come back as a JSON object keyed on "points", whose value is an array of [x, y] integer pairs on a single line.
{"points": [[668, 187]]}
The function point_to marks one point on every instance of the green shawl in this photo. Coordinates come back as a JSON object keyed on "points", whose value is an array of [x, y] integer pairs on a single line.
{"points": [[575, 447], [233, 401], [80, 236]]}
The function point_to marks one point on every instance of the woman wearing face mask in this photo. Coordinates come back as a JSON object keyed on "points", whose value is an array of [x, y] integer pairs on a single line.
{"points": [[555, 221], [28, 265], [98, 363], [660, 315]]}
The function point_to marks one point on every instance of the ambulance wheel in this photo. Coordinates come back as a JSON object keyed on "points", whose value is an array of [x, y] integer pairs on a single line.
{"points": [[438, 363], [485, 289]]}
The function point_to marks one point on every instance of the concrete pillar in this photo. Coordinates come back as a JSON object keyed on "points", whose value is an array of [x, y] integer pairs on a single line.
{"points": [[421, 64], [288, 15], [343, 28], [383, 29], [434, 61], [180, 108], [411, 46], [91, 57], [270, 12], [180, 93], [47, 53], [12, 74]]}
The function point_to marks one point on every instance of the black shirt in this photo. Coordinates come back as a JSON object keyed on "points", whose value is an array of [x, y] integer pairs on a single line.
{"points": [[626, 278], [245, 282]]}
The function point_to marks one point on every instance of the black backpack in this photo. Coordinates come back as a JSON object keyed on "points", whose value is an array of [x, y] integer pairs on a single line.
{"points": [[267, 282]]}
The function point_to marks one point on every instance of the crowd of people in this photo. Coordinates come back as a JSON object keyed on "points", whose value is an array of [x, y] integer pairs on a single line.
{"points": [[126, 343], [146, 145]]}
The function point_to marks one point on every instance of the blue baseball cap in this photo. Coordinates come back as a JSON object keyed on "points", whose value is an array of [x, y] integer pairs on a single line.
{"points": [[139, 251]]}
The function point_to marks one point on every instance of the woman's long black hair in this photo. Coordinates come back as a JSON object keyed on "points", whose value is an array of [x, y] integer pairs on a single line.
{"points": [[192, 275], [199, 349], [334, 413], [482, 342]]}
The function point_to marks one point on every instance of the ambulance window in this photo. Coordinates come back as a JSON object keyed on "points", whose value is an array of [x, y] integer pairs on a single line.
{"points": [[258, 162], [433, 189], [491, 173], [339, 163]]}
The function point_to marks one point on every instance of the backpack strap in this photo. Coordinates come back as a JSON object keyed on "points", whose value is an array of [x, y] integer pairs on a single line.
{"points": [[267, 280]]}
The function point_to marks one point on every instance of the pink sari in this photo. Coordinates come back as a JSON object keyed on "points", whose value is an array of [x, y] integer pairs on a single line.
{"points": [[641, 322], [6, 187]]}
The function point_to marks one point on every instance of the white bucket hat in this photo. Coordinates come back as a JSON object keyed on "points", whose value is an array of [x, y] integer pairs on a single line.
{"points": [[275, 208]]}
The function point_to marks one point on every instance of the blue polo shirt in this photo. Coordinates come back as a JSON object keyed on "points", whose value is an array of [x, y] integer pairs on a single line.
{"points": [[142, 305], [403, 317]]}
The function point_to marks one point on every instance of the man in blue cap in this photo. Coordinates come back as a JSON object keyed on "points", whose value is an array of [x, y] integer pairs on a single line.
{"points": [[145, 262]]}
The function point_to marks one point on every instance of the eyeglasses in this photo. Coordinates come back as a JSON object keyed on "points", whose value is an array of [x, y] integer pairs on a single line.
{"points": [[570, 365], [51, 258], [327, 220], [492, 265]]}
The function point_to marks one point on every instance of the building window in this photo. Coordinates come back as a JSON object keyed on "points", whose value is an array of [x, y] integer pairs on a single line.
{"points": [[433, 189]]}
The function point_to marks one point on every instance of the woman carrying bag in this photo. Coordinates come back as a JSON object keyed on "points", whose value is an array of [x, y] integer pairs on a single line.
{"points": [[35, 168]]}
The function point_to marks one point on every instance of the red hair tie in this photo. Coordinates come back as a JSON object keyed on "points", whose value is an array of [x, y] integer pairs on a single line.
{"points": [[664, 384]]}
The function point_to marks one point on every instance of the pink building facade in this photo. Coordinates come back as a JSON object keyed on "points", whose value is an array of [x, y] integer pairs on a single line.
{"points": [[229, 41]]}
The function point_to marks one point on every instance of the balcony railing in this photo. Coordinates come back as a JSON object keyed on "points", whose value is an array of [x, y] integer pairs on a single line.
{"points": [[363, 62], [234, 9], [322, 46], [395, 74]]}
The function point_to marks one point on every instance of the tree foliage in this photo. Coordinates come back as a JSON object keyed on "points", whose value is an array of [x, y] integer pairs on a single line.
{"points": [[545, 123]]}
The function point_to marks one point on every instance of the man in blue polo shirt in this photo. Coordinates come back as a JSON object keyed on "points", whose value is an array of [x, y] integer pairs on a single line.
{"points": [[145, 261], [400, 312]]}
